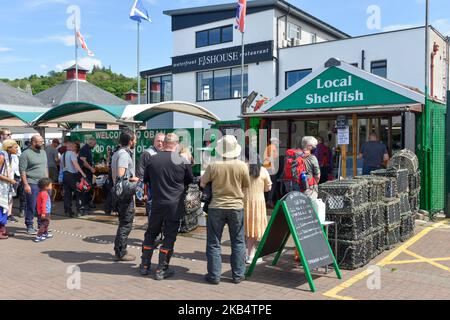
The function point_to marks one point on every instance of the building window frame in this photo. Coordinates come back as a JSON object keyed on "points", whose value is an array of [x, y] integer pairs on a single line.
{"points": [[313, 38], [161, 93], [290, 71], [221, 31], [213, 84], [292, 26], [378, 64]]}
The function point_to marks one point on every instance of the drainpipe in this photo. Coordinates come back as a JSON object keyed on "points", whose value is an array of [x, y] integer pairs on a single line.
{"points": [[363, 59], [433, 55], [277, 63]]}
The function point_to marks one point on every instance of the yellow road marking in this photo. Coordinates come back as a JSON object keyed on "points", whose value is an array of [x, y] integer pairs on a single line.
{"points": [[334, 293], [438, 265], [417, 261]]}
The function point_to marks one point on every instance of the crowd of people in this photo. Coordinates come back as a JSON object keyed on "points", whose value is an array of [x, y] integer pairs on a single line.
{"points": [[238, 180]]}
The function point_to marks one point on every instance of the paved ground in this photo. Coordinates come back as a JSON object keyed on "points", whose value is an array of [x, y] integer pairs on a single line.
{"points": [[416, 269]]}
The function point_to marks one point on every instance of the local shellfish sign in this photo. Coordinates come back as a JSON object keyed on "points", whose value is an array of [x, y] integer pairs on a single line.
{"points": [[342, 93]]}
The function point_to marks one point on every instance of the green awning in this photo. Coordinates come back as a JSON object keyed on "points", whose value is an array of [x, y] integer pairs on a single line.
{"points": [[25, 114]]}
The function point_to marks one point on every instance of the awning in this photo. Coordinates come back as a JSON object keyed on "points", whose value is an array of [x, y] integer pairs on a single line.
{"points": [[340, 88], [26, 114], [145, 112], [84, 112]]}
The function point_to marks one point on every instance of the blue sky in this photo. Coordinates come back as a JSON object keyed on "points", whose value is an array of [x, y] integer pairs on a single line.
{"points": [[34, 38]]}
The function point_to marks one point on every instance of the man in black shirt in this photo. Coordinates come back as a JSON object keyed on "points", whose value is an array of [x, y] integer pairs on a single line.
{"points": [[169, 174], [86, 163]]}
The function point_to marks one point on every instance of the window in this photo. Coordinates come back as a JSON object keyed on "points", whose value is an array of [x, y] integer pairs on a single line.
{"points": [[313, 38], [102, 126], [379, 68], [160, 89], [214, 36], [292, 77], [221, 84], [294, 31]]}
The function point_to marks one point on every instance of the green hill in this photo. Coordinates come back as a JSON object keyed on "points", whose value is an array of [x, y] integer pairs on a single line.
{"points": [[104, 78]]}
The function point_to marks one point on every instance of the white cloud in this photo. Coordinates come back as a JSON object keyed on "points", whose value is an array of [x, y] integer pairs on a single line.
{"points": [[3, 49], [86, 62], [38, 3], [44, 66], [399, 27]]}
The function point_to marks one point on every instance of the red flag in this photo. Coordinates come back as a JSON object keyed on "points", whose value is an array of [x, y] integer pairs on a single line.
{"points": [[240, 15], [83, 44]]}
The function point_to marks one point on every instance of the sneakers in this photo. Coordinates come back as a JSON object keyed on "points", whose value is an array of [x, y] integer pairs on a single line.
{"points": [[39, 239], [210, 280], [12, 219], [238, 280], [31, 231], [48, 235], [127, 257], [163, 274], [249, 260]]}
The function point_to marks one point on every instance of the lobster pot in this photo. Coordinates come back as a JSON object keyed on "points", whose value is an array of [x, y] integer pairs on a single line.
{"points": [[400, 176], [378, 242], [407, 226], [414, 181], [391, 236], [404, 203], [345, 196], [404, 159], [391, 211], [353, 254], [376, 186], [190, 221], [414, 201], [352, 226], [376, 215]]}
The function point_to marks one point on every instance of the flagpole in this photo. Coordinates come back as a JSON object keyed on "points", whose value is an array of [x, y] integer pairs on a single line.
{"points": [[138, 63], [76, 62], [242, 70]]}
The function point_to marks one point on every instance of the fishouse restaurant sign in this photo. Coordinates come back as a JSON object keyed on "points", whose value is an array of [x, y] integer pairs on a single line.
{"points": [[343, 86], [255, 52]]}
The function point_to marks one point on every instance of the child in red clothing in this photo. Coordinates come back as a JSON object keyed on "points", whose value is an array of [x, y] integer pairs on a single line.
{"points": [[44, 207]]}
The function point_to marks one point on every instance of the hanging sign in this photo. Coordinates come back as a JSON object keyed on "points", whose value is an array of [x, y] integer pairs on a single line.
{"points": [[343, 136]]}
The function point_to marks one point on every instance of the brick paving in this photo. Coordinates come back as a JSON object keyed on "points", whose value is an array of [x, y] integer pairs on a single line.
{"points": [[31, 270]]}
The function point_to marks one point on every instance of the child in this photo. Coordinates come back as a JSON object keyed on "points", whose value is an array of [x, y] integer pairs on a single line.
{"points": [[44, 206]]}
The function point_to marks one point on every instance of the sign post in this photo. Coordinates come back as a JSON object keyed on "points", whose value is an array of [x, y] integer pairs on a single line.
{"points": [[294, 215]]}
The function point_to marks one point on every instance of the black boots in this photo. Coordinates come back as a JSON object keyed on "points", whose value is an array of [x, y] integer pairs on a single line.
{"points": [[163, 271], [147, 253]]}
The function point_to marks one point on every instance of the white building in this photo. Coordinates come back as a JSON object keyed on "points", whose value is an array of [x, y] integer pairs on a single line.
{"points": [[283, 44]]}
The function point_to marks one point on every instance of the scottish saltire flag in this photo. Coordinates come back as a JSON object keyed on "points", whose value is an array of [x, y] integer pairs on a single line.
{"points": [[240, 15], [139, 12], [81, 42]]}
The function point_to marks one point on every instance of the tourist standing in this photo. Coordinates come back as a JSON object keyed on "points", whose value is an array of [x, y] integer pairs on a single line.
{"points": [[169, 174], [323, 155], [9, 148], [53, 160], [229, 177], [72, 174], [373, 152], [122, 165], [33, 167], [86, 163], [255, 212]]}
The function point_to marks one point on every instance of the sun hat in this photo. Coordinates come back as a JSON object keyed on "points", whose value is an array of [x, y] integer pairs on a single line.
{"points": [[228, 147]]}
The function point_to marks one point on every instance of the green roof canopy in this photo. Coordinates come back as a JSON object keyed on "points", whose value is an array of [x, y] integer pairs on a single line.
{"points": [[26, 114]]}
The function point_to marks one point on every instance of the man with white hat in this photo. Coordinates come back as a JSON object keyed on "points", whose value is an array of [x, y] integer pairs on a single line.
{"points": [[229, 176]]}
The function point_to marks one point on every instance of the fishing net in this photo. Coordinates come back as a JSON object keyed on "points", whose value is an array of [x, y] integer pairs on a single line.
{"points": [[343, 196], [404, 203], [391, 210], [400, 176], [414, 181], [353, 254], [376, 215], [376, 186], [414, 201], [378, 241], [405, 159], [351, 226], [407, 226], [391, 236]]}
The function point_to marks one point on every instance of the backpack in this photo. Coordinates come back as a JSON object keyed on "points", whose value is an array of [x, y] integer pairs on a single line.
{"points": [[295, 166]]}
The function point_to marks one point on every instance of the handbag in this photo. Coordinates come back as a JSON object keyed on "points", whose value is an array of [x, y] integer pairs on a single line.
{"points": [[123, 188], [5, 188]]}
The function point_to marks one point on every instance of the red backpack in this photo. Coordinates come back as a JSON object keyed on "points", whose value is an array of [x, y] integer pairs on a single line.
{"points": [[294, 166]]}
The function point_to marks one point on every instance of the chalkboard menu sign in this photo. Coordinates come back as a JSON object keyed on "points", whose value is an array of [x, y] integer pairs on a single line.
{"points": [[294, 215], [309, 230]]}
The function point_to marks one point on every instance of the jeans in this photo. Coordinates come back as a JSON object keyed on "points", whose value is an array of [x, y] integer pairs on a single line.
{"points": [[69, 182], [31, 209], [369, 169], [126, 217], [217, 218]]}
